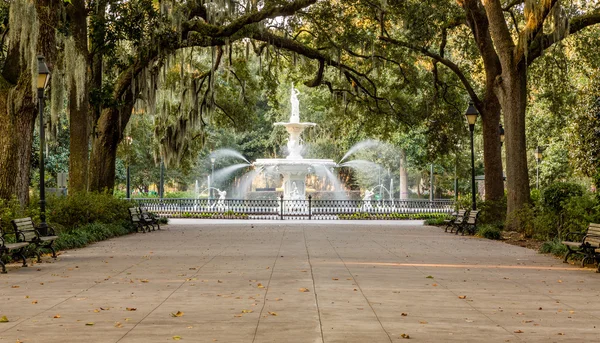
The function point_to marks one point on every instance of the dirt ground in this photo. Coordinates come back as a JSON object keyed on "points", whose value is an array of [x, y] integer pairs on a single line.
{"points": [[515, 238]]}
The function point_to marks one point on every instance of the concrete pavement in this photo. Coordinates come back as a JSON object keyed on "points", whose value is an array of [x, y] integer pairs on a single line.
{"points": [[270, 281]]}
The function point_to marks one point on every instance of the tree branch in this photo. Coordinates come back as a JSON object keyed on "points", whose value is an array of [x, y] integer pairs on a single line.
{"points": [[451, 65]]}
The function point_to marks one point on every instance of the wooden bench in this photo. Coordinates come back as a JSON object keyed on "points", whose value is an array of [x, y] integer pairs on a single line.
{"points": [[41, 237], [584, 243], [459, 221], [470, 224], [453, 217], [150, 218], [15, 249], [138, 221]]}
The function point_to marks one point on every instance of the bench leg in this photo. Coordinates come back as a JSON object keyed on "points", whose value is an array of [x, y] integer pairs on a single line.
{"points": [[21, 254], [52, 249], [157, 224], [569, 252], [3, 267]]}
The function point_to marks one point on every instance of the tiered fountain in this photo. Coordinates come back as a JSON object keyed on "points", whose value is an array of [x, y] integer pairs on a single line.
{"points": [[294, 167]]}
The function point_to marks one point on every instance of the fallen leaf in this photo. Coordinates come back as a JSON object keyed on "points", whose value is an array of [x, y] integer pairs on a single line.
{"points": [[89, 324], [356, 290], [422, 322], [334, 279], [27, 297], [56, 316], [273, 313], [3, 319], [237, 315], [118, 325], [434, 285], [15, 286], [130, 308], [404, 314], [260, 285], [462, 297], [177, 314], [96, 310], [540, 308], [144, 281], [247, 311], [561, 334], [219, 281], [429, 277], [405, 336], [304, 290], [34, 302], [278, 299], [176, 338], [518, 331]]}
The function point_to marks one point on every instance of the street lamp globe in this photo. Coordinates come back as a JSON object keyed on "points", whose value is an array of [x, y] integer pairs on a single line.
{"points": [[471, 115], [538, 153], [43, 74]]}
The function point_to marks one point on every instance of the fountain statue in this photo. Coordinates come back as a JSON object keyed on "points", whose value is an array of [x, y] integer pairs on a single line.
{"points": [[367, 200], [294, 167]]}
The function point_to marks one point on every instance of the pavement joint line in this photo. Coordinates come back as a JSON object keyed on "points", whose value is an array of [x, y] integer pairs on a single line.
{"points": [[73, 296], [312, 275], [360, 289], [175, 290], [415, 266], [268, 285], [142, 260]]}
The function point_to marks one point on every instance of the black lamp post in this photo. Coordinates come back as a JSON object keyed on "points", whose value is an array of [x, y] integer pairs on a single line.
{"points": [[471, 115], [42, 82], [538, 160], [128, 141], [501, 132]]}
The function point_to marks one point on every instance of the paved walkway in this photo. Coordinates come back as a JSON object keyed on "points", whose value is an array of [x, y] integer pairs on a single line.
{"points": [[239, 281]]}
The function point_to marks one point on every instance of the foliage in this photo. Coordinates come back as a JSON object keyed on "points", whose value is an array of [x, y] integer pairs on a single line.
{"points": [[554, 247], [489, 232], [80, 209], [554, 195], [435, 221], [90, 233], [390, 216]]}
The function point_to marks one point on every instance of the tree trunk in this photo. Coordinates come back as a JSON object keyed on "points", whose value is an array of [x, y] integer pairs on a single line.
{"points": [[492, 153], [18, 110], [513, 88], [17, 113], [79, 143], [109, 132], [79, 118], [403, 176]]}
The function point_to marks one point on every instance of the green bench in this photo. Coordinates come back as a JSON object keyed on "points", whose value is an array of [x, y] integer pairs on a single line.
{"points": [[14, 249], [584, 243], [40, 237]]}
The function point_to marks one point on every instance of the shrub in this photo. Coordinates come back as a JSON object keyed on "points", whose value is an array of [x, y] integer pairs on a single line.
{"points": [[554, 247], [90, 233], [554, 195], [85, 208], [435, 221], [489, 232]]}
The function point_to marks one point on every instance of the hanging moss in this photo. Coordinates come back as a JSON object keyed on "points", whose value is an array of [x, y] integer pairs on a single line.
{"points": [[24, 31]]}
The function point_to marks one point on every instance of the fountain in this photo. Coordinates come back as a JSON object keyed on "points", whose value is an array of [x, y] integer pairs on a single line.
{"points": [[294, 167]]}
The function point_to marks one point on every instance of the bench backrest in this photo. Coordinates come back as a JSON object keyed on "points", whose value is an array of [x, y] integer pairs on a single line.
{"points": [[593, 234], [461, 216], [134, 214], [473, 217], [26, 227]]}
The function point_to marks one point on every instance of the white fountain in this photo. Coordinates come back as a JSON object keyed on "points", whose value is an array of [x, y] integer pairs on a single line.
{"points": [[294, 167]]}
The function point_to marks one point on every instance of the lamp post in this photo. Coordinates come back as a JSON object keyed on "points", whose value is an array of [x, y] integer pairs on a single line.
{"points": [[128, 141], [471, 115], [538, 160], [42, 82], [212, 176], [161, 190]]}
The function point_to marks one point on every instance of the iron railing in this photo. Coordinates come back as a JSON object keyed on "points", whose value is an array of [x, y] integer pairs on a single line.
{"points": [[295, 209]]}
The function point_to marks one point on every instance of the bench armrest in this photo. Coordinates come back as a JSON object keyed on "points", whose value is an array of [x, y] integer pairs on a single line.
{"points": [[576, 236], [49, 231]]}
